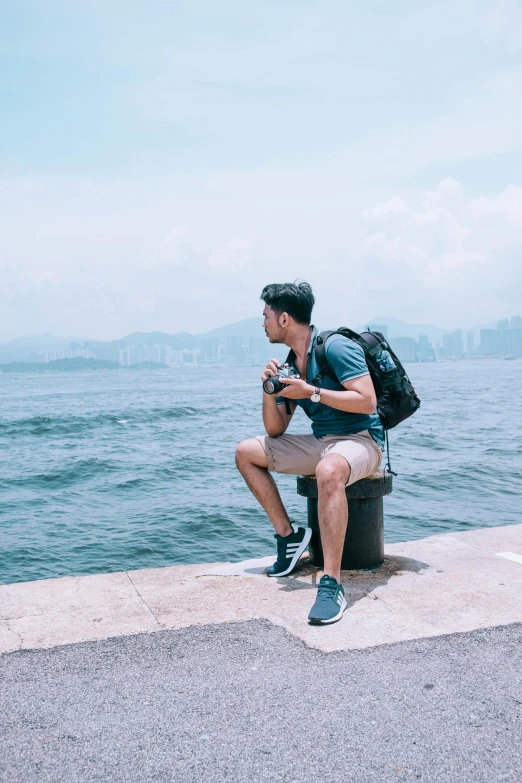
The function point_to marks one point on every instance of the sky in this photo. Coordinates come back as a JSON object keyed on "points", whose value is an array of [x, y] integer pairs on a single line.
{"points": [[161, 162]]}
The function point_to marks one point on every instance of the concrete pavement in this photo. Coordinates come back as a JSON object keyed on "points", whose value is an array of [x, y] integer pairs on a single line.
{"points": [[211, 672], [444, 584], [248, 702]]}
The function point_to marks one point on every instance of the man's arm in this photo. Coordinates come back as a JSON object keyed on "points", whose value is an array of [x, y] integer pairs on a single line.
{"points": [[359, 396], [348, 362], [275, 417]]}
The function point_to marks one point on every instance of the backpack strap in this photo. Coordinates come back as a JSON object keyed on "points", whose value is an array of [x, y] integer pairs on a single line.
{"points": [[355, 336], [320, 356], [320, 349], [290, 359]]}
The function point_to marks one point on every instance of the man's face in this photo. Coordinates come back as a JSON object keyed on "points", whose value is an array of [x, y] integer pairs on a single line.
{"points": [[271, 324]]}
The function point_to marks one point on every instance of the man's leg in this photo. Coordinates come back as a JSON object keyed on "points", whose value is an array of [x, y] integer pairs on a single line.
{"points": [[252, 463], [332, 474]]}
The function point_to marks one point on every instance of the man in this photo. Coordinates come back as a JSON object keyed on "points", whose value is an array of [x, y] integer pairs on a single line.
{"points": [[346, 444]]}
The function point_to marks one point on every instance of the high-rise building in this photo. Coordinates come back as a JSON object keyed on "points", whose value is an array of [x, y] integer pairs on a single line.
{"points": [[503, 324], [161, 353], [470, 343], [139, 353], [209, 349], [258, 349], [492, 342], [516, 322], [452, 344], [235, 348], [513, 342], [425, 349], [405, 348], [107, 351], [501, 342], [169, 356], [50, 356]]}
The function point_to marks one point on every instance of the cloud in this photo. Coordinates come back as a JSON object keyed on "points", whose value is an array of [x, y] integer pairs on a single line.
{"points": [[483, 121], [430, 239], [177, 249], [191, 252], [393, 206], [448, 249], [507, 205], [233, 256], [503, 24]]}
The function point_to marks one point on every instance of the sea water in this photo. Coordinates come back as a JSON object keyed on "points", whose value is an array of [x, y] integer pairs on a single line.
{"points": [[115, 470]]}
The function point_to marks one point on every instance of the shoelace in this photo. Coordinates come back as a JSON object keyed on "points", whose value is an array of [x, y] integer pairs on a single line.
{"points": [[281, 553], [325, 592]]}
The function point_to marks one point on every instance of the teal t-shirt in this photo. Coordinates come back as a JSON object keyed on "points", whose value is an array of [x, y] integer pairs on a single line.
{"points": [[346, 359]]}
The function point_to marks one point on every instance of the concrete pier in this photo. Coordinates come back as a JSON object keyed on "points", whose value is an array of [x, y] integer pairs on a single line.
{"points": [[439, 585], [211, 672]]}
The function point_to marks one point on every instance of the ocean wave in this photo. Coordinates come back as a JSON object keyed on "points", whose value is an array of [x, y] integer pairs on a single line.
{"points": [[173, 413], [79, 471], [109, 473], [80, 425]]}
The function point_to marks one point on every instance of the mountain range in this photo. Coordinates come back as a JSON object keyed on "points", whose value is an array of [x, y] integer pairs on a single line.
{"points": [[22, 348]]}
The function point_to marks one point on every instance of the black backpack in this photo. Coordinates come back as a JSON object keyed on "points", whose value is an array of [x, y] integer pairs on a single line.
{"points": [[396, 397]]}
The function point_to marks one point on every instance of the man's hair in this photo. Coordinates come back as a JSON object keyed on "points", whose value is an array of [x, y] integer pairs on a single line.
{"points": [[296, 299]]}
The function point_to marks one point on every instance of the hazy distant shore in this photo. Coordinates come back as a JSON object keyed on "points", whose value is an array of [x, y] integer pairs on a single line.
{"points": [[78, 363]]}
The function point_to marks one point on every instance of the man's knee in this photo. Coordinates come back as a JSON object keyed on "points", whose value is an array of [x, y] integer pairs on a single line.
{"points": [[333, 471], [250, 452]]}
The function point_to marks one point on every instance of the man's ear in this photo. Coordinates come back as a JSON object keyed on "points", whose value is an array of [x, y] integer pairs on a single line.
{"points": [[284, 319]]}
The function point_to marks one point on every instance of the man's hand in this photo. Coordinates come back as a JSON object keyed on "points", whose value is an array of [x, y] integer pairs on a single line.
{"points": [[271, 369], [296, 389]]}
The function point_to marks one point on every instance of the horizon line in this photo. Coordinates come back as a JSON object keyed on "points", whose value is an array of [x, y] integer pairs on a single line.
{"points": [[369, 322]]}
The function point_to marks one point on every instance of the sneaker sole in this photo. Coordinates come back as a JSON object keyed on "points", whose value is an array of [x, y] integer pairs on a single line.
{"points": [[302, 546], [333, 619]]}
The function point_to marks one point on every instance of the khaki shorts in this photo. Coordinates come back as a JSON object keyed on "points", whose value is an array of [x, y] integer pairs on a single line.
{"points": [[300, 454]]}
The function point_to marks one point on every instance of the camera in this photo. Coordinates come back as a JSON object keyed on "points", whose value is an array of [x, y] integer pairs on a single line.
{"points": [[273, 385]]}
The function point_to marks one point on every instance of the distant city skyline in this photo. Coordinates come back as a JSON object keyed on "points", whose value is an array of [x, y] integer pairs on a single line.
{"points": [[474, 326], [243, 343]]}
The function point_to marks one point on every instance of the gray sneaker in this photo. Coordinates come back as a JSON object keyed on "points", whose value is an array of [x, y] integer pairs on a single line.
{"points": [[289, 550], [329, 604]]}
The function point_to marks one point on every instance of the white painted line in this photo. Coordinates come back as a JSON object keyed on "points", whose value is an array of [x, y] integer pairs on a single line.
{"points": [[510, 556]]}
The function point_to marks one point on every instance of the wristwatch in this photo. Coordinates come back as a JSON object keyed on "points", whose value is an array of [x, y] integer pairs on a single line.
{"points": [[316, 396]]}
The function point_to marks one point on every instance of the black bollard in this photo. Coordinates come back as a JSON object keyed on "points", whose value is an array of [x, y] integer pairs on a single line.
{"points": [[364, 541]]}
